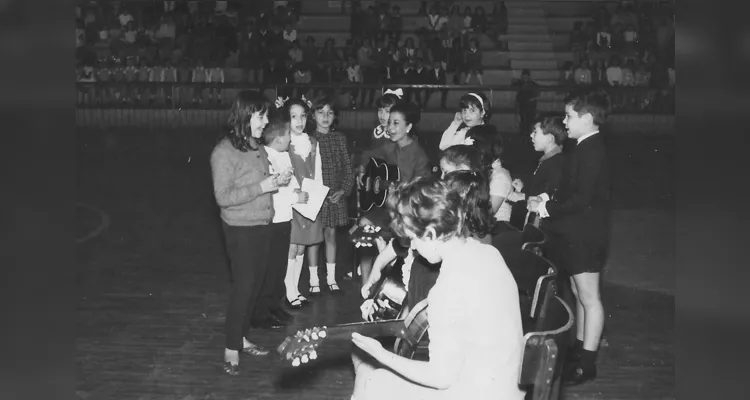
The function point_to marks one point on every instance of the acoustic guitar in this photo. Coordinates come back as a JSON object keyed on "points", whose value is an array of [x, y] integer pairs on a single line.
{"points": [[372, 188], [303, 346]]}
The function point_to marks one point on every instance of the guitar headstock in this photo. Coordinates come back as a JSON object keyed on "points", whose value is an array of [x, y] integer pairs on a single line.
{"points": [[301, 347], [364, 236]]}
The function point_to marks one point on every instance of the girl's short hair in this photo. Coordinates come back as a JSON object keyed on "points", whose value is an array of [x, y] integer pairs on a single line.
{"points": [[470, 99], [553, 125], [244, 106], [489, 142], [463, 155], [319, 103], [474, 188], [424, 203], [388, 100], [411, 114]]}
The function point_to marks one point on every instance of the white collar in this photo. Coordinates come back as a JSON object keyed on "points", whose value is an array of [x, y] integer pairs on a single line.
{"points": [[581, 139]]}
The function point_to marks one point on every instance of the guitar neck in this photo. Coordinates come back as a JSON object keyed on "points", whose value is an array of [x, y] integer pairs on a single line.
{"points": [[393, 327]]}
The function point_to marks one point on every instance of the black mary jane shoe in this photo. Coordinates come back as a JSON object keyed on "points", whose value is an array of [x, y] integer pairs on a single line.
{"points": [[335, 289], [314, 291], [231, 369], [575, 374], [303, 300], [295, 304]]}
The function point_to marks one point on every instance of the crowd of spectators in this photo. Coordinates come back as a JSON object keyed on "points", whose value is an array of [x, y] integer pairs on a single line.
{"points": [[633, 46], [137, 41]]}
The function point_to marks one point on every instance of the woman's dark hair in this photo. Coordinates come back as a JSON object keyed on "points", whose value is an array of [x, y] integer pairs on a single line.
{"points": [[553, 125], [463, 155], [489, 142], [411, 114], [244, 106], [387, 100], [318, 103], [423, 203], [469, 99], [474, 188]]}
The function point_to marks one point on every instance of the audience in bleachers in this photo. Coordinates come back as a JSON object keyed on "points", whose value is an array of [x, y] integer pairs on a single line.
{"points": [[632, 46]]}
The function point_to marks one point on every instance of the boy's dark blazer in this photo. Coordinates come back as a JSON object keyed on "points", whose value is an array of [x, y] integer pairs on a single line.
{"points": [[580, 209]]}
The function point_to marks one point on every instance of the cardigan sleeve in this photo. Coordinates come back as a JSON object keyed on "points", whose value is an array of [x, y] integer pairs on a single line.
{"points": [[226, 192]]}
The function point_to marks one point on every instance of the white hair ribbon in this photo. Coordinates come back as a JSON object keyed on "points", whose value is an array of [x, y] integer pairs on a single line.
{"points": [[306, 101], [280, 102], [398, 92]]}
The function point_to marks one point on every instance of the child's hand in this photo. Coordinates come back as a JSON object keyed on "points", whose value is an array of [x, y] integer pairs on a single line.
{"points": [[457, 117], [303, 196], [334, 198], [270, 184], [517, 185]]}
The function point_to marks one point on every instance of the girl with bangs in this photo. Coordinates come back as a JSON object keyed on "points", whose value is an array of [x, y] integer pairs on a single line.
{"points": [[474, 111], [304, 152], [336, 170], [242, 187], [476, 339]]}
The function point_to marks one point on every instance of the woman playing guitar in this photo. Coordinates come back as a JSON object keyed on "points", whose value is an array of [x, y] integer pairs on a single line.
{"points": [[462, 170], [476, 340], [404, 152]]}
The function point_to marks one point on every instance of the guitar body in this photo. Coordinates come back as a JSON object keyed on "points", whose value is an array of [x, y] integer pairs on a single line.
{"points": [[416, 325], [373, 187]]}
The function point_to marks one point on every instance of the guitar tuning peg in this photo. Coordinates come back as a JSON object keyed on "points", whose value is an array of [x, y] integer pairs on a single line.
{"points": [[295, 362], [313, 355], [305, 359], [314, 336], [322, 334]]}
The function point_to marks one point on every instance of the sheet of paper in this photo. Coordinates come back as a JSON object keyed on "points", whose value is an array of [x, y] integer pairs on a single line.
{"points": [[317, 195]]}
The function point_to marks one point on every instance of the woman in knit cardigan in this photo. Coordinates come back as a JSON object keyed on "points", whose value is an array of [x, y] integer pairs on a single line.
{"points": [[243, 187]]}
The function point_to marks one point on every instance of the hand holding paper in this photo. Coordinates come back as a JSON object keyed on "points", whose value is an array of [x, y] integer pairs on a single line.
{"points": [[317, 193]]}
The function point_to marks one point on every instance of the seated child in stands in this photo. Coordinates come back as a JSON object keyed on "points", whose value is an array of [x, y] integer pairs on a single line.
{"points": [[473, 62], [215, 75], [582, 74], [578, 41], [200, 75]]}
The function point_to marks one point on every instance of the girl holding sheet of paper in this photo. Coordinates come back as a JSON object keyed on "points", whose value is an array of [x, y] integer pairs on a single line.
{"points": [[304, 153]]}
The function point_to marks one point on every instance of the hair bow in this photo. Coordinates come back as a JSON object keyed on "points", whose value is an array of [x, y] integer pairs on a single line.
{"points": [[398, 92], [306, 101], [280, 102], [468, 141]]}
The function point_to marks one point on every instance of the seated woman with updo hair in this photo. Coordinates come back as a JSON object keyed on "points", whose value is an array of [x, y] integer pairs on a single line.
{"points": [[476, 340]]}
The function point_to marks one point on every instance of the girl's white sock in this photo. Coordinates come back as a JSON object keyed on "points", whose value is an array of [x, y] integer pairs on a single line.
{"points": [[331, 273]]}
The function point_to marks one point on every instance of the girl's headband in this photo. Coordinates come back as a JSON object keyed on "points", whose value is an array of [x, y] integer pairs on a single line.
{"points": [[478, 97]]}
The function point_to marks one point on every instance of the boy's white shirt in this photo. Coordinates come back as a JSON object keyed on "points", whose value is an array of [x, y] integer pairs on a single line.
{"points": [[285, 196]]}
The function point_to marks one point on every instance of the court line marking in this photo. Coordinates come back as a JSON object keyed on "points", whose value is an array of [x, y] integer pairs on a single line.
{"points": [[104, 223]]}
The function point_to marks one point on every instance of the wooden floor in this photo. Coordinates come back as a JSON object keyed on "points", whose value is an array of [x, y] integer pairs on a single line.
{"points": [[152, 291]]}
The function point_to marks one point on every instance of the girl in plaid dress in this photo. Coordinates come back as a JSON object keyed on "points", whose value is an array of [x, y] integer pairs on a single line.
{"points": [[338, 176]]}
